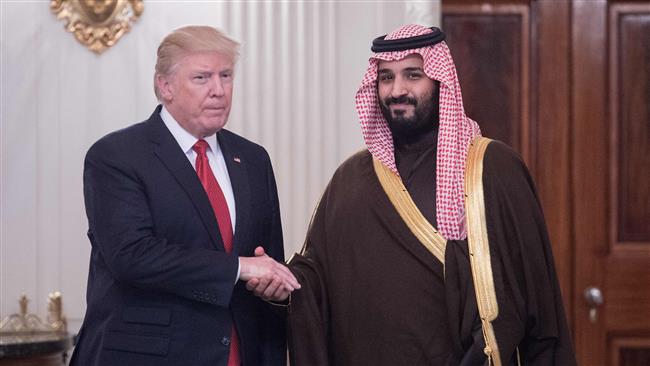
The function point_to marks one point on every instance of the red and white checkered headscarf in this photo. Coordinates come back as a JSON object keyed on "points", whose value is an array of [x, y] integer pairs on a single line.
{"points": [[455, 133]]}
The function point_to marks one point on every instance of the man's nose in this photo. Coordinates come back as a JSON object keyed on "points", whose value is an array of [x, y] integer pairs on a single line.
{"points": [[399, 88], [216, 87]]}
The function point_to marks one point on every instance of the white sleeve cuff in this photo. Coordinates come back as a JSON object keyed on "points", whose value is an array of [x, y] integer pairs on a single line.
{"points": [[238, 270]]}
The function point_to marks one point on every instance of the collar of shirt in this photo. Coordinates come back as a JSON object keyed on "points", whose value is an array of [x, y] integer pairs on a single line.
{"points": [[217, 163], [215, 157], [185, 139]]}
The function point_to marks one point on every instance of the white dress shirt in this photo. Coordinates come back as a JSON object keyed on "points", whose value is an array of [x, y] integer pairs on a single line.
{"points": [[215, 157]]}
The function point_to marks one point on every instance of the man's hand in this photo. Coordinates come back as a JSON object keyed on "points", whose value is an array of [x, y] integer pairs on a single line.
{"points": [[267, 278]]}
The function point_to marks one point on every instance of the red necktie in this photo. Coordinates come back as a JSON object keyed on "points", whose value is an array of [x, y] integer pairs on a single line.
{"points": [[220, 207]]}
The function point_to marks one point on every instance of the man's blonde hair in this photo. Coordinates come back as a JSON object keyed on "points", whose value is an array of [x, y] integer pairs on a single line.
{"points": [[189, 39]]}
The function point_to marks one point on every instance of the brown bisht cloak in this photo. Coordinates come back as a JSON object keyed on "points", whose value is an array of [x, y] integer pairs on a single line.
{"points": [[372, 294]]}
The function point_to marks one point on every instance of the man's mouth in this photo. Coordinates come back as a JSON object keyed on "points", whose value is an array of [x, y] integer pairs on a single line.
{"points": [[215, 109], [401, 109], [401, 106]]}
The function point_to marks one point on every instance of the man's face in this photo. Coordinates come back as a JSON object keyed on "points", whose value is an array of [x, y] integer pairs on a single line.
{"points": [[407, 97], [198, 92]]}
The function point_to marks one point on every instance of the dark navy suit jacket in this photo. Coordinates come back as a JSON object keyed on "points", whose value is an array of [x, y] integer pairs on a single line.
{"points": [[161, 289]]}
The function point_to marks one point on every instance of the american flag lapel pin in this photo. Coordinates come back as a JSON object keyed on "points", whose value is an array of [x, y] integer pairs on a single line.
{"points": [[237, 159]]}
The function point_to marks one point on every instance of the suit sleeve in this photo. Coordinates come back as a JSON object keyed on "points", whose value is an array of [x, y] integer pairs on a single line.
{"points": [[308, 319], [122, 232], [273, 324]]}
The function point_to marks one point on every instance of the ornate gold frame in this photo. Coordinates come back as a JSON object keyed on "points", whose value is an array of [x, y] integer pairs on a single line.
{"points": [[97, 24]]}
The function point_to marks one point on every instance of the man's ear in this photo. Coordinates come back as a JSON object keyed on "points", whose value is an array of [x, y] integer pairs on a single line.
{"points": [[164, 87]]}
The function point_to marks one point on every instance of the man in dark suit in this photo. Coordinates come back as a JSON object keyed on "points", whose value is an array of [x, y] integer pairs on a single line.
{"points": [[177, 206]]}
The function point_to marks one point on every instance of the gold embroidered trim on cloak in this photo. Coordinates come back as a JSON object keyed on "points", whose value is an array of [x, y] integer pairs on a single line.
{"points": [[479, 247], [408, 211]]}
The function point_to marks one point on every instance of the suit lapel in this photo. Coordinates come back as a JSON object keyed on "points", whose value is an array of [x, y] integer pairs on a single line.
{"points": [[240, 185], [167, 150]]}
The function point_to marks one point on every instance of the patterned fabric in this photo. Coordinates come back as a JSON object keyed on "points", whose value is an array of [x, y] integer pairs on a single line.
{"points": [[455, 133]]}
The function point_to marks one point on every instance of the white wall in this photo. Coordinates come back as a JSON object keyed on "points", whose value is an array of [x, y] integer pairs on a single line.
{"points": [[301, 64]]}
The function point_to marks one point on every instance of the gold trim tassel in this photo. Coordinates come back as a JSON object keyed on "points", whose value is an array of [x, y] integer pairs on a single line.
{"points": [[479, 247]]}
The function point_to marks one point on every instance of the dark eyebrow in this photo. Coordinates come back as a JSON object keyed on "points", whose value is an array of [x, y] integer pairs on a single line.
{"points": [[384, 71], [410, 69]]}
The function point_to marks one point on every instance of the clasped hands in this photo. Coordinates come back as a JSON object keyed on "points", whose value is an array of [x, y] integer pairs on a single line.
{"points": [[266, 278]]}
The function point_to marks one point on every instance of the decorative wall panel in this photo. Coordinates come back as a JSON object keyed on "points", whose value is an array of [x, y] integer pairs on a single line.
{"points": [[490, 48], [630, 127]]}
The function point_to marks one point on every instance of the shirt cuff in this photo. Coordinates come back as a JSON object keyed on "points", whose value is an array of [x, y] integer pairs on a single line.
{"points": [[238, 270]]}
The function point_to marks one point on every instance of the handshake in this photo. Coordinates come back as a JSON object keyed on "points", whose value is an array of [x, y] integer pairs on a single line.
{"points": [[266, 278]]}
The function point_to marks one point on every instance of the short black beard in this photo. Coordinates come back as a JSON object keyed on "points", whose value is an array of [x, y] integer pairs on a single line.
{"points": [[425, 119]]}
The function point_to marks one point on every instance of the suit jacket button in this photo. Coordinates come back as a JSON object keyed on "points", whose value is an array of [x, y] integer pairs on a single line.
{"points": [[225, 341]]}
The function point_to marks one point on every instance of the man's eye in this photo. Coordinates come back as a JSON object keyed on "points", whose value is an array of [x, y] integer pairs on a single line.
{"points": [[226, 75], [414, 75], [385, 77], [200, 78]]}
